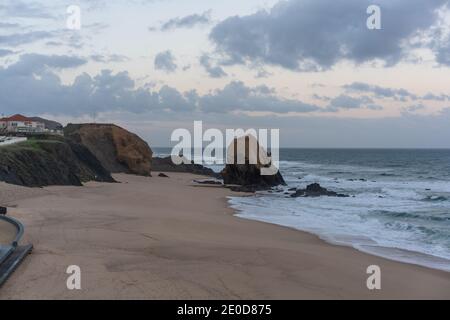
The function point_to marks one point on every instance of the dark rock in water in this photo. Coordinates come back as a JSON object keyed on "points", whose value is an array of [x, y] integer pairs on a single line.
{"points": [[163, 175], [50, 160], [242, 174], [117, 149], [247, 188], [363, 180], [247, 173], [209, 182], [167, 165], [292, 189], [3, 210], [315, 190]]}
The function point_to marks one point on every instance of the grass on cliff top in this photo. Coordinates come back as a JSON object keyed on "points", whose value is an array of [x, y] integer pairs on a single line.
{"points": [[34, 143]]}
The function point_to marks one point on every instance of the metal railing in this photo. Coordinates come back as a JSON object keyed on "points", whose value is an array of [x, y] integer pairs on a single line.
{"points": [[19, 227]]}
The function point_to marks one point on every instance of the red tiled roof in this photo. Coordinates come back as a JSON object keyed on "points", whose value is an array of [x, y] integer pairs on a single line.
{"points": [[17, 117]]}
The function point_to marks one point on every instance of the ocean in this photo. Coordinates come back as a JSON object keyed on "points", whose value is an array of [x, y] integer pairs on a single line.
{"points": [[399, 204]]}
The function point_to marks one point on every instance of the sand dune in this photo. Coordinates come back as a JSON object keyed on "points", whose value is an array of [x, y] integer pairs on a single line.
{"points": [[162, 238]]}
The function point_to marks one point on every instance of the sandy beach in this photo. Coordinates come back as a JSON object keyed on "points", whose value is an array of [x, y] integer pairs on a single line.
{"points": [[7, 232], [165, 238]]}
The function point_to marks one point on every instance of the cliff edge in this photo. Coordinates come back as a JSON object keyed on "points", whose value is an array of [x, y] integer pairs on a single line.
{"points": [[117, 149]]}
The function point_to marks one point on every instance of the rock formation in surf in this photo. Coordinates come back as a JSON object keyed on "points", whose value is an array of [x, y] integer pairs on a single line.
{"points": [[247, 174]]}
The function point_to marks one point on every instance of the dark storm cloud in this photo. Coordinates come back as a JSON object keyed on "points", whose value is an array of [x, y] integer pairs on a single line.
{"points": [[309, 35]]}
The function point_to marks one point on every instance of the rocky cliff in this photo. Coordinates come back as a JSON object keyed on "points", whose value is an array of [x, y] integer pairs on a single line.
{"points": [[117, 149], [50, 160]]}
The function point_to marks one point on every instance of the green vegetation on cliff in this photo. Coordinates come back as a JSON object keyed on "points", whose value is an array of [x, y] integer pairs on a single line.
{"points": [[49, 160]]}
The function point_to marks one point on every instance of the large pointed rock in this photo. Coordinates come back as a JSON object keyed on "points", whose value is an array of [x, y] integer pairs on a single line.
{"points": [[244, 165]]}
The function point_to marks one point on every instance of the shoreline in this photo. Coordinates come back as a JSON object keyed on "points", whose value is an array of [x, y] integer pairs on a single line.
{"points": [[147, 238], [382, 251]]}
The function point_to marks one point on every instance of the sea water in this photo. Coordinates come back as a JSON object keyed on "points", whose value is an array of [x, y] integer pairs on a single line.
{"points": [[399, 204]]}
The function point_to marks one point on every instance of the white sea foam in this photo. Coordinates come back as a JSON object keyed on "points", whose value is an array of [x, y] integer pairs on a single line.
{"points": [[403, 220], [395, 211]]}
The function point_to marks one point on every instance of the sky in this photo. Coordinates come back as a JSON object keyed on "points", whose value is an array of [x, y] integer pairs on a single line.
{"points": [[311, 68]]}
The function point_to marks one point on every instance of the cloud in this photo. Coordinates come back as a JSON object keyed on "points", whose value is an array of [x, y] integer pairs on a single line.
{"points": [[25, 9], [24, 38], [237, 97], [314, 35], [33, 63], [109, 58], [7, 25], [380, 92], [30, 86], [402, 95], [347, 102], [189, 21], [414, 108], [5, 52], [433, 97], [213, 71], [165, 61]]}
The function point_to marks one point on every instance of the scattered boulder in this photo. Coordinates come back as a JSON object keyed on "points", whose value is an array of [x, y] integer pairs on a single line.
{"points": [[209, 182], [117, 149], [247, 188], [163, 175], [166, 164], [248, 174], [316, 190]]}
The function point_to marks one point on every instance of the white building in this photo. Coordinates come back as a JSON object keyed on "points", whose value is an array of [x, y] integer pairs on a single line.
{"points": [[20, 124]]}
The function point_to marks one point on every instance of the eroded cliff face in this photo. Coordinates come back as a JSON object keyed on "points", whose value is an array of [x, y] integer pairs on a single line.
{"points": [[51, 160], [117, 149]]}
